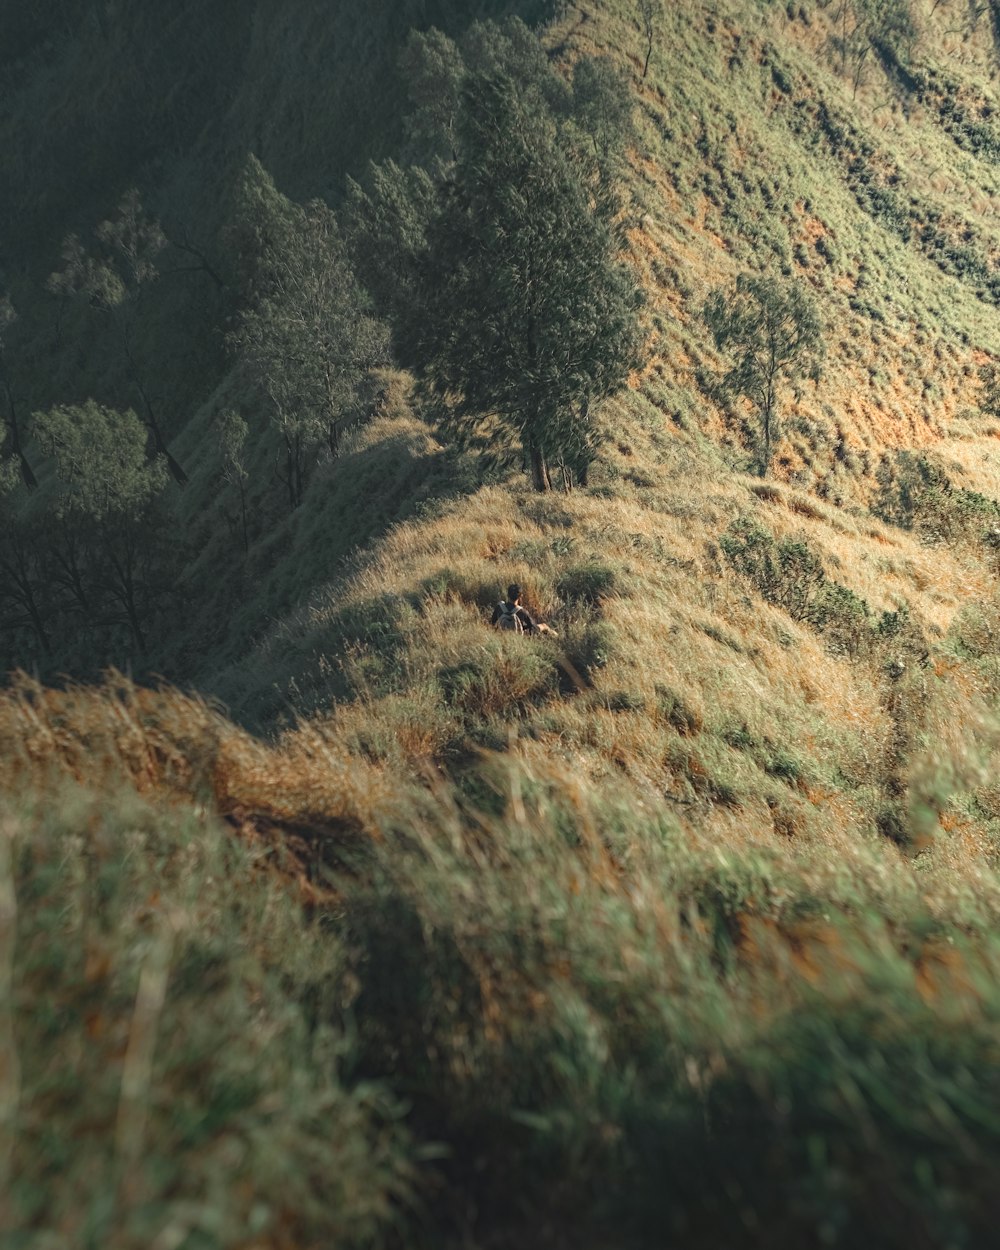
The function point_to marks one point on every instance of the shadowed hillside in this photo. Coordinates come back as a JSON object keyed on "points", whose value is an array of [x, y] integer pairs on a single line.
{"points": [[677, 927]]}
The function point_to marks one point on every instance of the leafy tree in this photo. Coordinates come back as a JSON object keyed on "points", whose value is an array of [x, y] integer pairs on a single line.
{"points": [[773, 332], [109, 530], [14, 438], [114, 280], [433, 69], [530, 315], [385, 223], [308, 337], [437, 70], [989, 382], [602, 107]]}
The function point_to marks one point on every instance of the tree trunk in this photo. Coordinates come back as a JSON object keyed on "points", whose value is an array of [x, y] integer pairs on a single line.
{"points": [[73, 580], [176, 472], [36, 619], [539, 469], [20, 575], [125, 591], [14, 429]]}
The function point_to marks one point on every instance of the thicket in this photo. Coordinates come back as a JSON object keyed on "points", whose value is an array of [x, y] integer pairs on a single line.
{"points": [[512, 300]]}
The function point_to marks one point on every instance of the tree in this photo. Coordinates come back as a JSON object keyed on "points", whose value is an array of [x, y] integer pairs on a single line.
{"points": [[24, 586], [385, 224], [883, 27], [433, 69], [602, 108], [14, 436], [649, 11], [772, 330], [114, 281], [108, 540], [530, 316], [989, 384], [308, 337]]}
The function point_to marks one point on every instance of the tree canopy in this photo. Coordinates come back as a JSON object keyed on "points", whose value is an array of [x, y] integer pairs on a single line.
{"points": [[773, 333], [307, 336], [530, 314]]}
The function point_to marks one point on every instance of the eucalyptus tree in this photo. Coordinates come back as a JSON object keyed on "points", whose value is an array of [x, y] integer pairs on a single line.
{"points": [[25, 590], [650, 12], [233, 433], [529, 314], [772, 332], [13, 442], [307, 336]]}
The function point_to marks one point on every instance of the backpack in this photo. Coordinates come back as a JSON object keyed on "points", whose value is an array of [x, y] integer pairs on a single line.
{"points": [[509, 618]]}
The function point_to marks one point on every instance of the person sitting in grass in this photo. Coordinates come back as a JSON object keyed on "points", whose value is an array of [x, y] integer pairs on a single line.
{"points": [[511, 614]]}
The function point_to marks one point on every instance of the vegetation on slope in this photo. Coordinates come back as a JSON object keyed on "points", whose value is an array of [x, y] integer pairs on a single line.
{"points": [[599, 1024], [679, 925]]}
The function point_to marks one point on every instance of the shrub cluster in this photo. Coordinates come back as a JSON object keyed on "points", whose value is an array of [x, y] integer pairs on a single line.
{"points": [[916, 493]]}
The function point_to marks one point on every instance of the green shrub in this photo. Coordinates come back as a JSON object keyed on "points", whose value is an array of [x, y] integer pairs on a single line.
{"points": [[587, 647], [676, 712], [788, 573], [843, 617], [915, 493], [624, 701], [587, 583]]}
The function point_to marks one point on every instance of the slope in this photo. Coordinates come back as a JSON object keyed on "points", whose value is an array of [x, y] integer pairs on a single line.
{"points": [[677, 927]]}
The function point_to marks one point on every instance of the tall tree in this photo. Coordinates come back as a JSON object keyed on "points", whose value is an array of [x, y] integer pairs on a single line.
{"points": [[308, 337], [386, 218], [105, 504], [114, 279], [531, 314], [772, 331]]}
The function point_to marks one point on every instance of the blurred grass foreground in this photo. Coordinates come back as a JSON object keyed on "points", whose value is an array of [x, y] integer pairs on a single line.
{"points": [[250, 996]]}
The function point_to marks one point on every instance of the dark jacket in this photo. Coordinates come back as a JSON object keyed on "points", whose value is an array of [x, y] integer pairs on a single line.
{"points": [[523, 616]]}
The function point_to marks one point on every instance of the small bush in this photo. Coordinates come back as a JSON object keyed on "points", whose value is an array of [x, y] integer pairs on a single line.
{"points": [[788, 573], [587, 583], [587, 648], [843, 617], [676, 712]]}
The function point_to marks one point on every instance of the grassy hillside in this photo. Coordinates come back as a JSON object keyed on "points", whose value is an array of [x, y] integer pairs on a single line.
{"points": [[676, 928]]}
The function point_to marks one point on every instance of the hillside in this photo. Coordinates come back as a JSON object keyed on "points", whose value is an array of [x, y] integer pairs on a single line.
{"points": [[363, 924]]}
